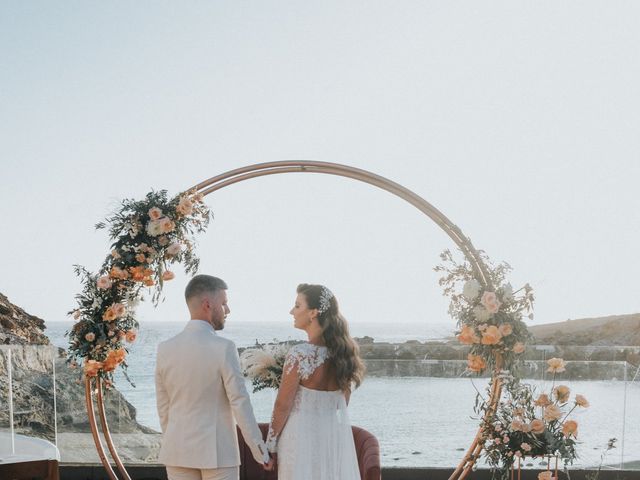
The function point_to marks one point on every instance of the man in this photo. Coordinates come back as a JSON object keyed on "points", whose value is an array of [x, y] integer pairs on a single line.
{"points": [[200, 390]]}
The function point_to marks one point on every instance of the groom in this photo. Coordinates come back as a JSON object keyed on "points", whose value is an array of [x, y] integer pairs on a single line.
{"points": [[201, 393]]}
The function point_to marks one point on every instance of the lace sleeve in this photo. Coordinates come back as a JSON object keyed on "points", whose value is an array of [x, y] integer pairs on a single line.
{"points": [[284, 400]]}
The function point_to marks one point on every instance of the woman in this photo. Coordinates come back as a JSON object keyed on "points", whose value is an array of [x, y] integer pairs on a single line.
{"points": [[310, 428]]}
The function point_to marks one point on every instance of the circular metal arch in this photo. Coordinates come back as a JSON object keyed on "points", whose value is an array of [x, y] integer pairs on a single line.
{"points": [[231, 177]]}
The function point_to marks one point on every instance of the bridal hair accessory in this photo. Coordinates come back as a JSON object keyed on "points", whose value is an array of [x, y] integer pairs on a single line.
{"points": [[325, 299]]}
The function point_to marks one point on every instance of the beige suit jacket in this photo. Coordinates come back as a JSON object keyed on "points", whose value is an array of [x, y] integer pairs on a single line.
{"points": [[201, 394]]}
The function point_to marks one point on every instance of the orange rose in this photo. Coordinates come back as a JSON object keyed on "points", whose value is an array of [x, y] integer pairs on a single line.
{"points": [[137, 274], [562, 393], [537, 425], [551, 413], [468, 336], [117, 272], [92, 367], [475, 363], [570, 428], [109, 315], [168, 275], [118, 309], [505, 329], [114, 358], [491, 336], [149, 282], [131, 336]]}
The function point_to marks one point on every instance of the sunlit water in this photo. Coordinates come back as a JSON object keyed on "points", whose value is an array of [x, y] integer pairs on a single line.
{"points": [[419, 421]]}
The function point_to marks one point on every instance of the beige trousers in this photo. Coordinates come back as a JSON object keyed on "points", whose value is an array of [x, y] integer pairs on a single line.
{"points": [[183, 473]]}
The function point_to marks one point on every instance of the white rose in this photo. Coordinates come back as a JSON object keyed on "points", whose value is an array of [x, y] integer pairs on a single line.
{"points": [[481, 314], [471, 289], [507, 293], [154, 228]]}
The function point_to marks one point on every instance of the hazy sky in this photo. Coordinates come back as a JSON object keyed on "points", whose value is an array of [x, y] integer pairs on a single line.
{"points": [[519, 120]]}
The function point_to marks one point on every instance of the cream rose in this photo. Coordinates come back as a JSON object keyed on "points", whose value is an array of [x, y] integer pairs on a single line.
{"points": [[551, 413], [556, 365], [471, 289], [490, 301], [174, 249], [537, 425], [155, 213], [581, 401], [104, 282], [505, 329], [154, 228]]}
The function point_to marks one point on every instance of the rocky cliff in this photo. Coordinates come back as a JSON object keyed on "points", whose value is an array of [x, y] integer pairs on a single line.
{"points": [[32, 362]]}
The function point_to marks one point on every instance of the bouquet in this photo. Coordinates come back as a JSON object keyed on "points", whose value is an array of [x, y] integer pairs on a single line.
{"points": [[263, 365], [534, 425]]}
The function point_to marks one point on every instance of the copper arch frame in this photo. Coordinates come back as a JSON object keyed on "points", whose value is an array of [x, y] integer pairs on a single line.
{"points": [[303, 166]]}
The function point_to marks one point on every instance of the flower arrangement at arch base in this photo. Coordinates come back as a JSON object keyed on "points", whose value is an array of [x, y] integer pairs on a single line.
{"points": [[490, 318], [147, 237]]}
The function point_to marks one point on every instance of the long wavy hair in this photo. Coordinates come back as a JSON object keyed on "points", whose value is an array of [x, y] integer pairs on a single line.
{"points": [[344, 352]]}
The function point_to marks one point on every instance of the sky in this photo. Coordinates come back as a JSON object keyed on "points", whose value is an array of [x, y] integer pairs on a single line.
{"points": [[518, 120]]}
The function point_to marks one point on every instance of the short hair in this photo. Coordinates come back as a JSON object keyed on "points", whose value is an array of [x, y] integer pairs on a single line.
{"points": [[203, 284]]}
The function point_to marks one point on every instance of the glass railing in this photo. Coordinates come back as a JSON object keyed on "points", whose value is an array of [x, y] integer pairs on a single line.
{"points": [[421, 411]]}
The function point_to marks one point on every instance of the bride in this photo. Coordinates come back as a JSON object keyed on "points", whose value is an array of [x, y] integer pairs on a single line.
{"points": [[310, 428]]}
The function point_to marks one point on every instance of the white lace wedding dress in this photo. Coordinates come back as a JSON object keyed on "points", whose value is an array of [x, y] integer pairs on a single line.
{"points": [[314, 440]]}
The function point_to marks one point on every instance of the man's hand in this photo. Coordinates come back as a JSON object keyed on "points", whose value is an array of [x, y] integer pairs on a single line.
{"points": [[269, 467]]}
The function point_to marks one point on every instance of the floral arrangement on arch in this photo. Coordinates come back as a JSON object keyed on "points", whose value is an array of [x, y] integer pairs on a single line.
{"points": [[533, 425], [147, 237], [489, 318], [263, 365]]}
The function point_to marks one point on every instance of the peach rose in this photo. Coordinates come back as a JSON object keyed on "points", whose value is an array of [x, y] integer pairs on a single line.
{"points": [[155, 213], [542, 400], [149, 282], [140, 258], [76, 314], [518, 347], [505, 329], [551, 413], [104, 282], [163, 241], [168, 275], [92, 367], [475, 363], [109, 315], [537, 425], [115, 254], [491, 336], [118, 309], [167, 225], [526, 428], [490, 301], [185, 207], [525, 447], [562, 393], [468, 336], [556, 365], [174, 249], [117, 272], [581, 401], [131, 336], [570, 428], [546, 475], [90, 337]]}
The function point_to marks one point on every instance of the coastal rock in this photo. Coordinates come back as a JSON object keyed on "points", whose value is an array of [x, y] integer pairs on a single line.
{"points": [[33, 363]]}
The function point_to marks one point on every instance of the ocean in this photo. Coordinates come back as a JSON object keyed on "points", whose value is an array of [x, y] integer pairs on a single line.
{"points": [[419, 421]]}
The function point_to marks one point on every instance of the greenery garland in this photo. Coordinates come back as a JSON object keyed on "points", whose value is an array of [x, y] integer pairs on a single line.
{"points": [[147, 237]]}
